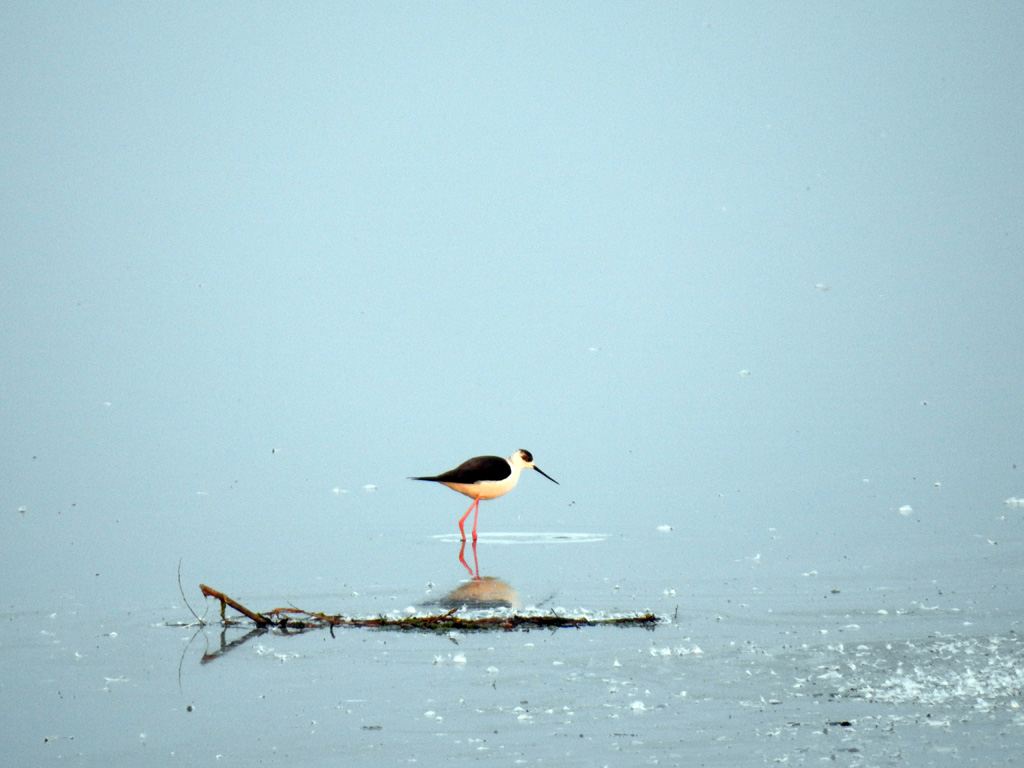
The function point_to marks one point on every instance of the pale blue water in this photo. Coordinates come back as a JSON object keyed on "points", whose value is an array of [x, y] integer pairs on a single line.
{"points": [[745, 280], [862, 662]]}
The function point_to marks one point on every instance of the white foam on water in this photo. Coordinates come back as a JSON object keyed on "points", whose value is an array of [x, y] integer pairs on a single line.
{"points": [[978, 671]]}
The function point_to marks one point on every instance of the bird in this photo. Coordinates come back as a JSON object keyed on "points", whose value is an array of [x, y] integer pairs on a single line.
{"points": [[485, 477]]}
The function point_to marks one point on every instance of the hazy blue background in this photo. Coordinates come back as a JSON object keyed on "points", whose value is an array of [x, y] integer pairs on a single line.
{"points": [[254, 257]]}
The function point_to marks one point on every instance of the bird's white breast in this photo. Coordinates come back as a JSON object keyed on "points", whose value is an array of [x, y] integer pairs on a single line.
{"points": [[487, 489]]}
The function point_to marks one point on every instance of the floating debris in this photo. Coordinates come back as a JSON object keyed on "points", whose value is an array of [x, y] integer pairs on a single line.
{"points": [[298, 620]]}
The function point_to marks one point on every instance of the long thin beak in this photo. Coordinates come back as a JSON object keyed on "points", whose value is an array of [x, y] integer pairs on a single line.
{"points": [[548, 476]]}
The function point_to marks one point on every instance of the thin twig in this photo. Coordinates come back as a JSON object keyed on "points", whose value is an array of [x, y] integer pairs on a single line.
{"points": [[260, 619], [182, 590], [297, 619]]}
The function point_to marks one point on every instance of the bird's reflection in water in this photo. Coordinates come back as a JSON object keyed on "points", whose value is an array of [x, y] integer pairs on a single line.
{"points": [[486, 592], [474, 572], [480, 592]]}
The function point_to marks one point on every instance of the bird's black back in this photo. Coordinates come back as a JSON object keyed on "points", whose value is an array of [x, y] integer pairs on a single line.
{"points": [[475, 470]]}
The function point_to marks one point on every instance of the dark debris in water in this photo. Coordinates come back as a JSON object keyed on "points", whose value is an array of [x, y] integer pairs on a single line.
{"points": [[299, 620]]}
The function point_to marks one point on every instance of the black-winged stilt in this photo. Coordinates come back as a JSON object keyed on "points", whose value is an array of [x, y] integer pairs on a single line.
{"points": [[485, 477]]}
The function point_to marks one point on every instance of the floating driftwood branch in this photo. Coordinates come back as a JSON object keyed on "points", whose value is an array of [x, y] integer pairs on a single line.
{"points": [[296, 619]]}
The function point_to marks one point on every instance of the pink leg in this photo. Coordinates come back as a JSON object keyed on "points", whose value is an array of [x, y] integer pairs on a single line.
{"points": [[462, 558], [475, 516], [476, 563], [475, 570], [474, 505]]}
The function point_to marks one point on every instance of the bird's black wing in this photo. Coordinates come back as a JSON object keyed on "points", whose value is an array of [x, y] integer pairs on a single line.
{"points": [[474, 471]]}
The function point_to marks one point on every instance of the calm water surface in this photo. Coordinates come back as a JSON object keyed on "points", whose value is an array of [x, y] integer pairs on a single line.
{"points": [[910, 660], [744, 279]]}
